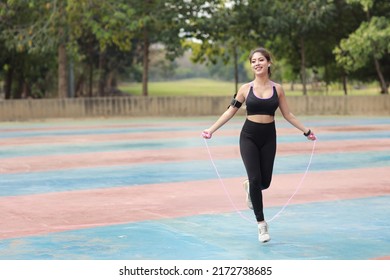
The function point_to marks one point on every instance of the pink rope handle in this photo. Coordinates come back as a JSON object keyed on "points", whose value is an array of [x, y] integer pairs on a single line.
{"points": [[284, 206]]}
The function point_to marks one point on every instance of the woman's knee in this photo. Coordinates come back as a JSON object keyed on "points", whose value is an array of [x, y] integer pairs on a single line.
{"points": [[265, 184], [259, 183], [262, 183]]}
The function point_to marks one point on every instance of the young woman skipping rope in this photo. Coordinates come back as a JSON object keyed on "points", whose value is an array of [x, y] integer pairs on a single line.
{"points": [[258, 135]]}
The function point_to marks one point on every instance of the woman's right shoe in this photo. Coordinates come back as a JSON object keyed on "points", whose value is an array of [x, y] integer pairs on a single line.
{"points": [[248, 196]]}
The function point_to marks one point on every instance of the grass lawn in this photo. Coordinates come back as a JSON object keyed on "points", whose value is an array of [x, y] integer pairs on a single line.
{"points": [[188, 87], [208, 87]]}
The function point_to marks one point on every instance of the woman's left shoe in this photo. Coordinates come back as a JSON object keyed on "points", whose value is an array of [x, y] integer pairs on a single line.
{"points": [[263, 232]]}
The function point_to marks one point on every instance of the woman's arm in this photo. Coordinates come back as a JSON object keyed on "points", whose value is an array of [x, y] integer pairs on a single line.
{"points": [[227, 115], [224, 118], [283, 106]]}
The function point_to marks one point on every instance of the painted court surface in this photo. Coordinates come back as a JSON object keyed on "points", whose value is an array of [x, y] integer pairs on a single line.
{"points": [[145, 189]]}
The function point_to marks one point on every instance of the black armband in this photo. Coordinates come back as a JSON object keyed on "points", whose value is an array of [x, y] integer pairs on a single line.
{"points": [[308, 133], [235, 103]]}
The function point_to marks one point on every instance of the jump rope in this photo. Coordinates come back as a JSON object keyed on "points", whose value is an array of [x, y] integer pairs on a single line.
{"points": [[229, 196]]}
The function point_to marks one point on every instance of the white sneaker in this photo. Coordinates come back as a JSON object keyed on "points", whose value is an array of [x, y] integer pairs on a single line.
{"points": [[263, 232], [248, 196]]}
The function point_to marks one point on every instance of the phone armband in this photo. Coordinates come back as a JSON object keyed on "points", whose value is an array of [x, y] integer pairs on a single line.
{"points": [[235, 103]]}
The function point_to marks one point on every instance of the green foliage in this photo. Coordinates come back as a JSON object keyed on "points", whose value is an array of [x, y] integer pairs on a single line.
{"points": [[28, 25], [366, 4], [371, 39], [106, 38], [111, 22], [303, 27]]}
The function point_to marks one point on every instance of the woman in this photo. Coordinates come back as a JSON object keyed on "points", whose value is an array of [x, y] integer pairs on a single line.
{"points": [[258, 134]]}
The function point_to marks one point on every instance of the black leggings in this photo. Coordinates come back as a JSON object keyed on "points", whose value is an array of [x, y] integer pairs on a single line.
{"points": [[258, 149]]}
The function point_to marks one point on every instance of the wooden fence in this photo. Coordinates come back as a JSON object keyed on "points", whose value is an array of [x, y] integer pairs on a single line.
{"points": [[139, 106]]}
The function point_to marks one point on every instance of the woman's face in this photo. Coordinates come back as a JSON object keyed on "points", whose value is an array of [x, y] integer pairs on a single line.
{"points": [[259, 64]]}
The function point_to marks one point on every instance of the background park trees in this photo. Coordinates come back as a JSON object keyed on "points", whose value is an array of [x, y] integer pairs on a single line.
{"points": [[72, 48], [368, 44]]}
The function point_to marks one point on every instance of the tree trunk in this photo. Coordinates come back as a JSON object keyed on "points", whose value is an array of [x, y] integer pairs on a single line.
{"points": [[146, 64], [62, 72], [303, 67], [90, 85], [382, 81], [345, 80], [26, 90], [79, 91], [17, 94], [71, 87], [235, 68], [292, 85], [111, 82], [8, 83], [102, 79]]}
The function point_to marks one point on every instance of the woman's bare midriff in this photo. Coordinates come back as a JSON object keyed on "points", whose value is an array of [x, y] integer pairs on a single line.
{"points": [[261, 118]]}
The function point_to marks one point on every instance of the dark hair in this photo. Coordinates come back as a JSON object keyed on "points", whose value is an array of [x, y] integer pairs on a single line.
{"points": [[265, 53]]}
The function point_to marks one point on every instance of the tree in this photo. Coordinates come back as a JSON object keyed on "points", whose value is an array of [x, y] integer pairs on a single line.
{"points": [[41, 26], [344, 20], [166, 24], [300, 25], [27, 55], [221, 38], [370, 42], [96, 29]]}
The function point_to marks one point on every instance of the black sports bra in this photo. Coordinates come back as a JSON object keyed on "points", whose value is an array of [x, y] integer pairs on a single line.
{"points": [[261, 106]]}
